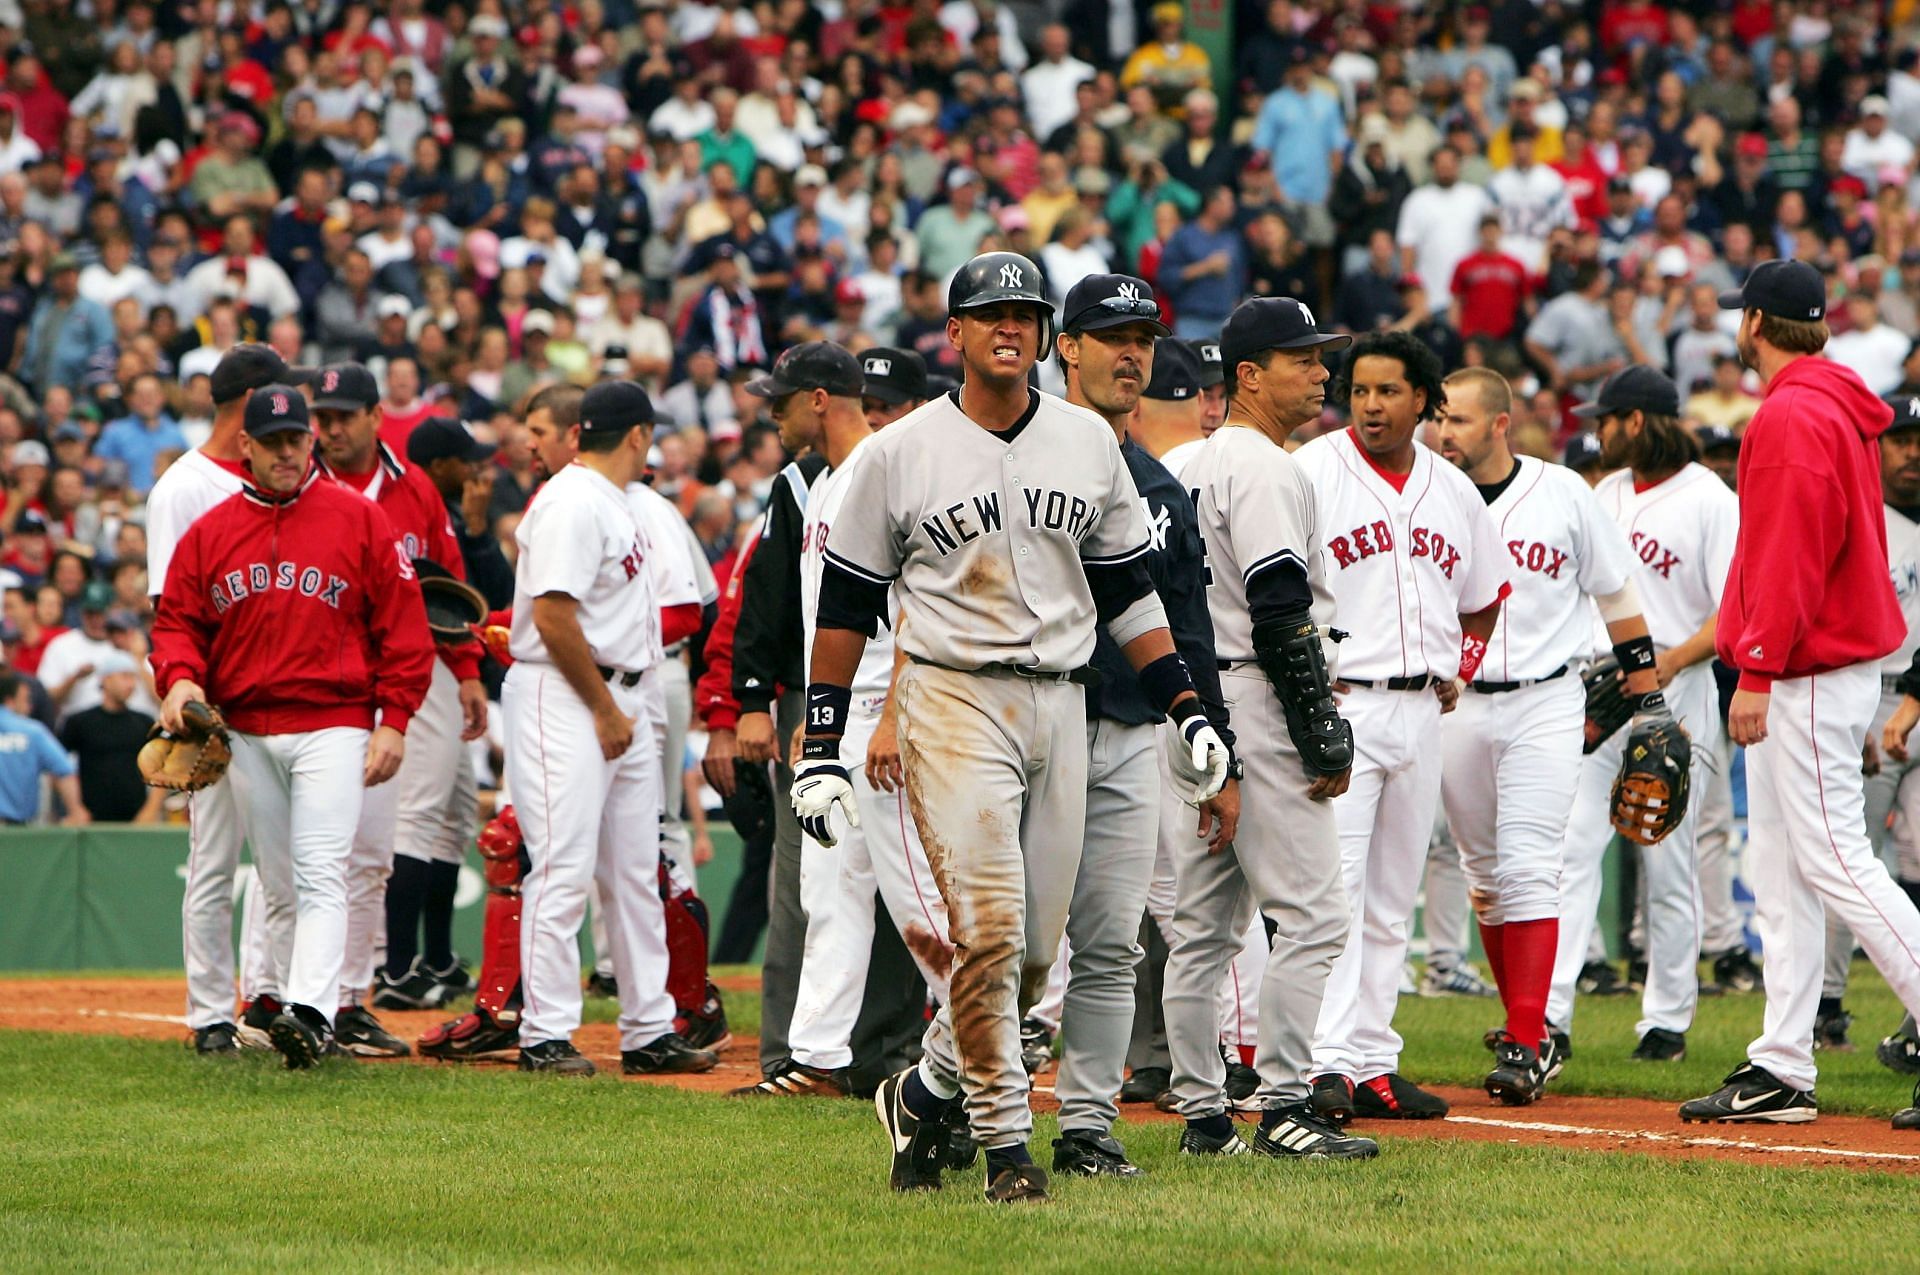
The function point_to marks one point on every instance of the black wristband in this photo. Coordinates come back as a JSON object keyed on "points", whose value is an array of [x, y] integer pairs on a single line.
{"points": [[1635, 654], [827, 709], [817, 748], [1166, 680]]}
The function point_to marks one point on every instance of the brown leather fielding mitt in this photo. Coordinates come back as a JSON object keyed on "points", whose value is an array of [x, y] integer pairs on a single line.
{"points": [[191, 759]]}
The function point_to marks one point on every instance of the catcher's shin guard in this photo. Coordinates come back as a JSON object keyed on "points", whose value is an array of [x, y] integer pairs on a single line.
{"points": [[686, 945], [498, 989]]}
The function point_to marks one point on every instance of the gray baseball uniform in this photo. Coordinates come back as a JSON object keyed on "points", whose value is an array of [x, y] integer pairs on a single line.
{"points": [[1257, 514], [1007, 547]]}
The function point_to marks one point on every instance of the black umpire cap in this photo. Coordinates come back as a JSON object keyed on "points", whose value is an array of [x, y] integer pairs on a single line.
{"points": [[249, 367], [1176, 372], [1211, 371], [812, 365], [1582, 454], [1260, 324], [276, 409], [344, 387], [1634, 388], [1111, 301], [615, 407], [893, 375], [1784, 289]]}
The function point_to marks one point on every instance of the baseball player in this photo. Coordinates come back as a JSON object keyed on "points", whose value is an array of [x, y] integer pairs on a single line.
{"points": [[1809, 615], [1272, 612], [1417, 573], [585, 637], [894, 383], [190, 487], [296, 609], [427, 813], [1511, 749], [1680, 522], [812, 394], [1007, 525], [1111, 347], [1213, 389]]}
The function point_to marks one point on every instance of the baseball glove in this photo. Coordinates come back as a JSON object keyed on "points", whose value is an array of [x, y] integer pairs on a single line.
{"points": [[1650, 794], [453, 605], [1608, 708], [192, 759]]}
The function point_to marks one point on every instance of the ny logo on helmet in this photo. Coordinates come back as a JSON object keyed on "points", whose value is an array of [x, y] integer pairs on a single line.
{"points": [[1128, 292], [879, 367], [1010, 277], [1306, 314]]}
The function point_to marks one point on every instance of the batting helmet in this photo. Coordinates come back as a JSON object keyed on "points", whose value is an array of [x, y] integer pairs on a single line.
{"points": [[993, 277]]}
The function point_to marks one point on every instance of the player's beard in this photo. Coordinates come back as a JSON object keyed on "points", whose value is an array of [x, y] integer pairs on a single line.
{"points": [[1749, 354]]}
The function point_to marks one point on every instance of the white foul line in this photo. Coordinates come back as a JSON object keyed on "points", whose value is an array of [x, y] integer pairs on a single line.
{"points": [[1647, 1135], [177, 1019]]}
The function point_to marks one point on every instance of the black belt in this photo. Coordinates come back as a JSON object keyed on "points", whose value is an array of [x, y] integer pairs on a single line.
{"points": [[1419, 683], [1082, 676], [1501, 688], [616, 676]]}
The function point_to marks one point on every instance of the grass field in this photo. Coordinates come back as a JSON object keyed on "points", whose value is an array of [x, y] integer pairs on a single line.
{"points": [[128, 1155]]}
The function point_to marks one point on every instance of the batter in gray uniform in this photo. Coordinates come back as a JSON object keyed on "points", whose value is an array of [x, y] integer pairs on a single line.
{"points": [[1007, 525], [1271, 610]]}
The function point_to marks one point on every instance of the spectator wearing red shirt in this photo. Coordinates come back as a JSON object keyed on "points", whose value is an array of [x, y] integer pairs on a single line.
{"points": [[1634, 22], [1490, 288], [31, 644], [1586, 179]]}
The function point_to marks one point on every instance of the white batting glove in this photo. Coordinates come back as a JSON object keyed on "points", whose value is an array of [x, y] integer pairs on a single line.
{"points": [[1198, 761], [819, 786]]}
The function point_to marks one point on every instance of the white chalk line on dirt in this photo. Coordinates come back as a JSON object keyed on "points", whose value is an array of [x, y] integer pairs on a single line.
{"points": [[1648, 1135], [176, 1019]]}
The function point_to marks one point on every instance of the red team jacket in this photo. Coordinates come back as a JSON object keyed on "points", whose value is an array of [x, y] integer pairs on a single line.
{"points": [[1808, 591], [713, 701], [295, 613], [419, 516]]}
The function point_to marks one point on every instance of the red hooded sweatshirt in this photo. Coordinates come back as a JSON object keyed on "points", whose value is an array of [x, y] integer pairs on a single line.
{"points": [[1809, 590], [295, 613]]}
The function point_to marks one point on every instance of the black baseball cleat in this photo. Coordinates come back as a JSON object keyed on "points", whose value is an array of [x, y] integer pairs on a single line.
{"points": [[1752, 1095], [796, 1080], [1332, 1098], [1036, 1045], [455, 980], [1019, 1182], [1146, 1084], [919, 1146], [1637, 975], [603, 985], [1394, 1097], [218, 1041], [1661, 1045], [668, 1055], [255, 1017], [1087, 1153], [1735, 971], [1555, 1053], [1517, 1078], [555, 1058], [1599, 978], [1910, 1118], [1830, 1024], [1295, 1132], [475, 1037], [415, 989], [1901, 1051], [1242, 1087], [301, 1035], [1199, 1142], [359, 1033], [707, 1026]]}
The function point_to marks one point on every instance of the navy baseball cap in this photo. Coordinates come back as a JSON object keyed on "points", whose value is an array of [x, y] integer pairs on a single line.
{"points": [[1634, 388], [250, 366], [438, 438], [275, 409], [1583, 452], [1713, 438], [345, 387], [894, 376], [1176, 373], [1784, 289], [1111, 301], [615, 407], [812, 365], [1259, 324], [1211, 370], [1906, 412]]}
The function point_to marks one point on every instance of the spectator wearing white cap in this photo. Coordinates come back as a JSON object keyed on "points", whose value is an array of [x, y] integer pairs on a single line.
{"points": [[808, 186], [950, 233], [1875, 152]]}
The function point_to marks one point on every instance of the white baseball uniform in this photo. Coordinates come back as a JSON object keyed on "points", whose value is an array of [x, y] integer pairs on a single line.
{"points": [[1511, 747], [837, 883], [586, 818], [192, 485], [1681, 532], [1406, 557]]}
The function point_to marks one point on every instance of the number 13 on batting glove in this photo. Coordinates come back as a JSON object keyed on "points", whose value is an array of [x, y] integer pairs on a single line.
{"points": [[1199, 761], [820, 784]]}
